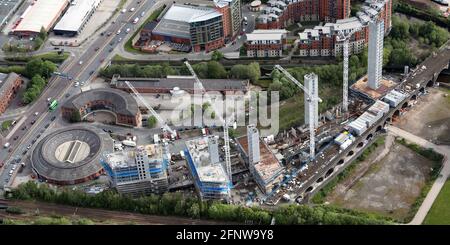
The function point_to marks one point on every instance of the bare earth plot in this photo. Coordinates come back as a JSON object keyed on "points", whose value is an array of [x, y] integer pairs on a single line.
{"points": [[430, 117], [387, 185]]}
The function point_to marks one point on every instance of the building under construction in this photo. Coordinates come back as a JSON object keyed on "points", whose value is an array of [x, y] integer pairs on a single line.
{"points": [[141, 171], [262, 163], [208, 172]]}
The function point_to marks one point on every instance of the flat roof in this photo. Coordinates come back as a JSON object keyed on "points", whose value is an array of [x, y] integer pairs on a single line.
{"points": [[76, 15], [184, 83], [43, 13], [206, 171], [271, 34], [268, 166]]}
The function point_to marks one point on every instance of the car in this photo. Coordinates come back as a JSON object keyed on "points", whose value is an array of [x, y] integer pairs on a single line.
{"points": [[118, 32], [128, 30], [82, 83], [49, 98], [15, 138], [10, 150], [80, 63], [104, 130], [76, 84], [109, 34], [91, 72], [53, 118], [102, 34], [67, 95], [123, 10], [114, 22], [142, 14], [32, 122], [47, 125], [36, 113], [120, 39], [37, 137], [28, 147], [111, 43], [24, 152], [24, 127], [56, 48], [131, 9], [33, 141], [110, 50], [97, 48]]}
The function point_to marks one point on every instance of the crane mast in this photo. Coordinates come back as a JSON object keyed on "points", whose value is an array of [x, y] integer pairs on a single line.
{"points": [[311, 99], [226, 137]]}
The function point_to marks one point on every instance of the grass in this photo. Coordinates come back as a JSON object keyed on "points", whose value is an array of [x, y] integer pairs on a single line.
{"points": [[291, 112], [439, 213], [50, 56], [118, 57], [128, 46], [6, 125]]}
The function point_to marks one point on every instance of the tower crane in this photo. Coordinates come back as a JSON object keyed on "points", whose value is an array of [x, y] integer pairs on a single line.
{"points": [[344, 37], [226, 124], [311, 99]]}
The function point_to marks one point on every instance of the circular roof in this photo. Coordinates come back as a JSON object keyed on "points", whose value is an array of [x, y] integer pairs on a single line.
{"points": [[70, 154], [255, 3]]}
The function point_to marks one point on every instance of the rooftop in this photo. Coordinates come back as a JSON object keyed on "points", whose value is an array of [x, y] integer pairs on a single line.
{"points": [[207, 172], [362, 86], [123, 102], [75, 16], [41, 14], [6, 80], [271, 34], [268, 165], [126, 158], [184, 83]]}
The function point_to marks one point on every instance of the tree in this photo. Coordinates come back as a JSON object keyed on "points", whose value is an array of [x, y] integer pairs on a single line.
{"points": [[216, 70], [239, 71], [254, 72], [151, 121], [75, 117], [216, 55]]}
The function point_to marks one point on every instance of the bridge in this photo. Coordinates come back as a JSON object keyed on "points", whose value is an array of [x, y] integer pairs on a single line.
{"points": [[323, 170]]}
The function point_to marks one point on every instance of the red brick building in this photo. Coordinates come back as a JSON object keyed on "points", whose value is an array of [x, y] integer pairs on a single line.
{"points": [[9, 86]]}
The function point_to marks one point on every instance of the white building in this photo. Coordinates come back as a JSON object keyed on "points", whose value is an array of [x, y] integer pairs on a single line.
{"points": [[312, 84], [375, 58], [76, 17]]}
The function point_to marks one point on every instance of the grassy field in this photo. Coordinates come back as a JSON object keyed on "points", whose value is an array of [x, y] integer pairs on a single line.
{"points": [[439, 213]]}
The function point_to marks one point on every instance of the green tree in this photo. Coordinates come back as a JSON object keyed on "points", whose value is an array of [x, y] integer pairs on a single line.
{"points": [[216, 55], [216, 70], [75, 117], [151, 121], [254, 72]]}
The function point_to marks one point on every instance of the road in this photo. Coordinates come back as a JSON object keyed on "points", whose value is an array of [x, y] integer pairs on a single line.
{"points": [[80, 68], [49, 209], [438, 183]]}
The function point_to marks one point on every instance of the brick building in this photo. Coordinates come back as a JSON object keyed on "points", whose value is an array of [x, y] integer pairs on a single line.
{"points": [[120, 103], [266, 43], [9, 85]]}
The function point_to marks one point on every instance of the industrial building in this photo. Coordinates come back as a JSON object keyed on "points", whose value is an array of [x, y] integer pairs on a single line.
{"points": [[201, 28], [9, 86], [70, 155], [369, 117], [265, 43], [41, 14], [262, 163], [76, 17], [322, 40], [185, 83], [138, 172], [122, 104], [210, 177]]}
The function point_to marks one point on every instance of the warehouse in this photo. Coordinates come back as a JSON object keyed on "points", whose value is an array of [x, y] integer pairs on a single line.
{"points": [[186, 83], [76, 17], [41, 14]]}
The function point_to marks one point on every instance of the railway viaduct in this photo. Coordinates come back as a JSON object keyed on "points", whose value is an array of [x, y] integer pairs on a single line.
{"points": [[425, 75]]}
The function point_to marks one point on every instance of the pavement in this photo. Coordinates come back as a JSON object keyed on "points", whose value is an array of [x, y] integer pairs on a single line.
{"points": [[439, 182], [81, 68]]}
